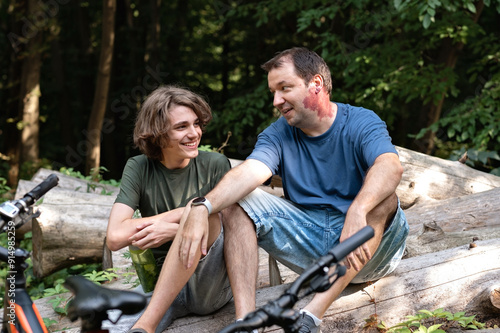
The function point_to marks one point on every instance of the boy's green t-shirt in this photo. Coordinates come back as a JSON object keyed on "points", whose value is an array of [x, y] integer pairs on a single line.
{"points": [[147, 185]]}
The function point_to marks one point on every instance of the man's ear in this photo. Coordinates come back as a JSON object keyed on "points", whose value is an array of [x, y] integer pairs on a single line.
{"points": [[317, 81]]}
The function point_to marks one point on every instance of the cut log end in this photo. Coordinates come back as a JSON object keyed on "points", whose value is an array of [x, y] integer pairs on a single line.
{"points": [[486, 302], [495, 297]]}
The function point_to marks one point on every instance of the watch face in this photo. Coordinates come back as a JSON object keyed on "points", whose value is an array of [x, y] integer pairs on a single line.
{"points": [[199, 200]]}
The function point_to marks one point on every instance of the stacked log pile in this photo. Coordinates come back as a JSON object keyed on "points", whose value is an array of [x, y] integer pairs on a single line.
{"points": [[452, 258]]}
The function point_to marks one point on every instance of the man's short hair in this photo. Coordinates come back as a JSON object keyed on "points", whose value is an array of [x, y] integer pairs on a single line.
{"points": [[153, 120], [307, 63]]}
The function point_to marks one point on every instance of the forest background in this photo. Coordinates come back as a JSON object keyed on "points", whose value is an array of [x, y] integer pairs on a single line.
{"points": [[74, 73]]}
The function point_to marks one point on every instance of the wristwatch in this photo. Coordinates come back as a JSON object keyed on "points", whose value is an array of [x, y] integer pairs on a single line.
{"points": [[202, 201]]}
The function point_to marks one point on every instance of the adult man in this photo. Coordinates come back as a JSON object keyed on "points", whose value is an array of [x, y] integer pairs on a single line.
{"points": [[160, 183], [339, 171]]}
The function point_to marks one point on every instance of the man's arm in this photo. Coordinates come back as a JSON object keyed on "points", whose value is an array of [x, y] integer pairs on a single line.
{"points": [[146, 232], [381, 182], [235, 185]]}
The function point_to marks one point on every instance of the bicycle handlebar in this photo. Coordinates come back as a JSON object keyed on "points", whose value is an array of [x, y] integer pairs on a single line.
{"points": [[36, 193], [317, 277], [343, 249], [11, 210]]}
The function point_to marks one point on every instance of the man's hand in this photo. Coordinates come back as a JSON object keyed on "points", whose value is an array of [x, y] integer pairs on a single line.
{"points": [[354, 222], [194, 235], [153, 233]]}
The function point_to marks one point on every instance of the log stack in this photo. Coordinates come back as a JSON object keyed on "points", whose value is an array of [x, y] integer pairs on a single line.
{"points": [[72, 224], [451, 259]]}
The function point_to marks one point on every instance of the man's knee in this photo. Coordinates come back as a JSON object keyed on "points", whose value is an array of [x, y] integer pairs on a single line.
{"points": [[384, 213], [234, 217]]}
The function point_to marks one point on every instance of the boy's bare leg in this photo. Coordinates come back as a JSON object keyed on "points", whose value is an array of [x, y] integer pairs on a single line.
{"points": [[173, 277], [242, 258]]}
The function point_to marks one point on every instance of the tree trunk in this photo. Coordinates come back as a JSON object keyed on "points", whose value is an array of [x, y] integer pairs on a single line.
{"points": [[70, 230], [102, 87], [12, 134], [72, 224], [446, 279], [30, 93], [431, 178], [444, 224], [486, 302], [425, 178]]}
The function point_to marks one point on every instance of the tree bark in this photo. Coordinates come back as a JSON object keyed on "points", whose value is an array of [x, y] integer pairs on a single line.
{"points": [[12, 134], [446, 279], [70, 230], [72, 224], [486, 302], [431, 178], [461, 221], [30, 93], [102, 87]]}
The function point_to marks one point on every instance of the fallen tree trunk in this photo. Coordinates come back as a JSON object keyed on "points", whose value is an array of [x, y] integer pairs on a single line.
{"points": [[76, 184], [448, 279], [427, 178], [444, 224], [487, 302], [70, 230]]}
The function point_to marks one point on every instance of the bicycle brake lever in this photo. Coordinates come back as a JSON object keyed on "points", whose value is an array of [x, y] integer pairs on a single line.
{"points": [[322, 283], [25, 217]]}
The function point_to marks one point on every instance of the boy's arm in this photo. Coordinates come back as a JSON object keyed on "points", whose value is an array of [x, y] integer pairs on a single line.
{"points": [[145, 232]]}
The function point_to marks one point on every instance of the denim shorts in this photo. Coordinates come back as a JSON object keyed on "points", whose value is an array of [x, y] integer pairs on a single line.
{"points": [[296, 236], [207, 291]]}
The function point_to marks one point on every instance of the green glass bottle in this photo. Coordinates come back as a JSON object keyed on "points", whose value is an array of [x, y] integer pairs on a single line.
{"points": [[145, 266]]}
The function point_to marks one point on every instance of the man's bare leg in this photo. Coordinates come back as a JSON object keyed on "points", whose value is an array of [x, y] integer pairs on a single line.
{"points": [[242, 258], [173, 277], [378, 219]]}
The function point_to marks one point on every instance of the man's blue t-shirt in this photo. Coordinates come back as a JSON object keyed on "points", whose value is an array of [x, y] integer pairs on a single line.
{"points": [[326, 170]]}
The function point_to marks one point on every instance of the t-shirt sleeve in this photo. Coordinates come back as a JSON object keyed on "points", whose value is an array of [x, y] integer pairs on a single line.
{"points": [[130, 186], [267, 149], [222, 167], [373, 138]]}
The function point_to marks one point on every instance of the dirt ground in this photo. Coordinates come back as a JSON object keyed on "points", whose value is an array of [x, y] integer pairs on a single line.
{"points": [[490, 322]]}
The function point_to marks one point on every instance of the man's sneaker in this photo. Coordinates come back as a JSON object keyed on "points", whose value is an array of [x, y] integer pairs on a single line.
{"points": [[307, 324]]}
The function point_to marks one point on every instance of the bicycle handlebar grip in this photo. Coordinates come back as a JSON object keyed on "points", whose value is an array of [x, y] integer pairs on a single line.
{"points": [[42, 188], [343, 249]]}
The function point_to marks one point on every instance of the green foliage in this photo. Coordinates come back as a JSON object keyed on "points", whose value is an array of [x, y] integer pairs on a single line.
{"points": [[255, 114], [101, 276], [92, 179], [28, 169], [475, 126], [59, 302], [420, 322], [4, 189], [205, 148], [49, 322], [392, 57]]}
